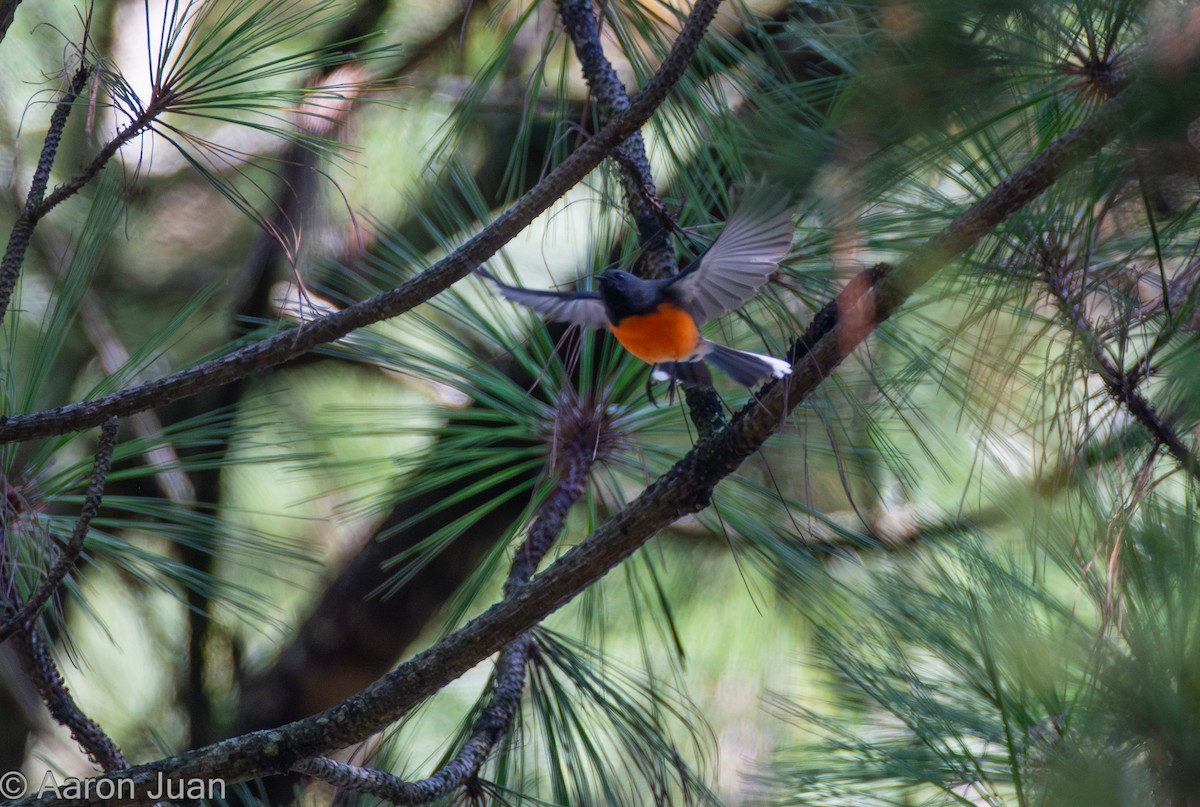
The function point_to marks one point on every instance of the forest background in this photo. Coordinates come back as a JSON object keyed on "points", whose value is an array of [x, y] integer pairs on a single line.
{"points": [[278, 469]]}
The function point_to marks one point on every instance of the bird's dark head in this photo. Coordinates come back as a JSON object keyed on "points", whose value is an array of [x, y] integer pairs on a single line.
{"points": [[625, 294], [616, 280]]}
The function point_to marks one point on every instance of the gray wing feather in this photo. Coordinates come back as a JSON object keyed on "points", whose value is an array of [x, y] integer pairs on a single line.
{"points": [[757, 236], [583, 308]]}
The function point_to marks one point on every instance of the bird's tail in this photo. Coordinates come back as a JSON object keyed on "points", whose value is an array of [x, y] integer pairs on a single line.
{"points": [[748, 369]]}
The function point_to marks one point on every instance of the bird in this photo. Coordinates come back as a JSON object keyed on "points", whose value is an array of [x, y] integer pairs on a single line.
{"points": [[658, 321]]}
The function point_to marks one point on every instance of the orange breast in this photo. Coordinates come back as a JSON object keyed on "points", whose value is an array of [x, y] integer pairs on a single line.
{"points": [[667, 334]]}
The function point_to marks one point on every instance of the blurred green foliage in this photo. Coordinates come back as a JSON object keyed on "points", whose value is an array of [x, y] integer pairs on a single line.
{"points": [[963, 573]]}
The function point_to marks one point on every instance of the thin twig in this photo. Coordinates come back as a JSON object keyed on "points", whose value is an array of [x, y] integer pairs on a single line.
{"points": [[25, 616], [90, 171], [1122, 386], [22, 231]]}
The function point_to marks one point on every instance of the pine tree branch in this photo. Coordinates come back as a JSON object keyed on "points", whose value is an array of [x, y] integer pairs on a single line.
{"points": [[575, 459], [833, 334], [53, 690], [507, 684], [283, 347], [25, 616], [22, 231], [653, 222], [1122, 386], [92, 170]]}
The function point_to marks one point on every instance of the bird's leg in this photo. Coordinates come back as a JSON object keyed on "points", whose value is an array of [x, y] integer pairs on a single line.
{"points": [[650, 388]]}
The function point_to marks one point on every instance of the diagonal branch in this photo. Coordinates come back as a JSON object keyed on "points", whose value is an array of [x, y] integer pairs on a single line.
{"points": [[1122, 386], [283, 347], [841, 326]]}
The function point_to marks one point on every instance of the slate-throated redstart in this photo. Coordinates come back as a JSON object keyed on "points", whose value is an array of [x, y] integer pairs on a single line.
{"points": [[659, 320]]}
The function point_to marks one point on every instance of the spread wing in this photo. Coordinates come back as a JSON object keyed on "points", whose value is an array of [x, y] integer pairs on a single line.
{"points": [[756, 238], [583, 308]]}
